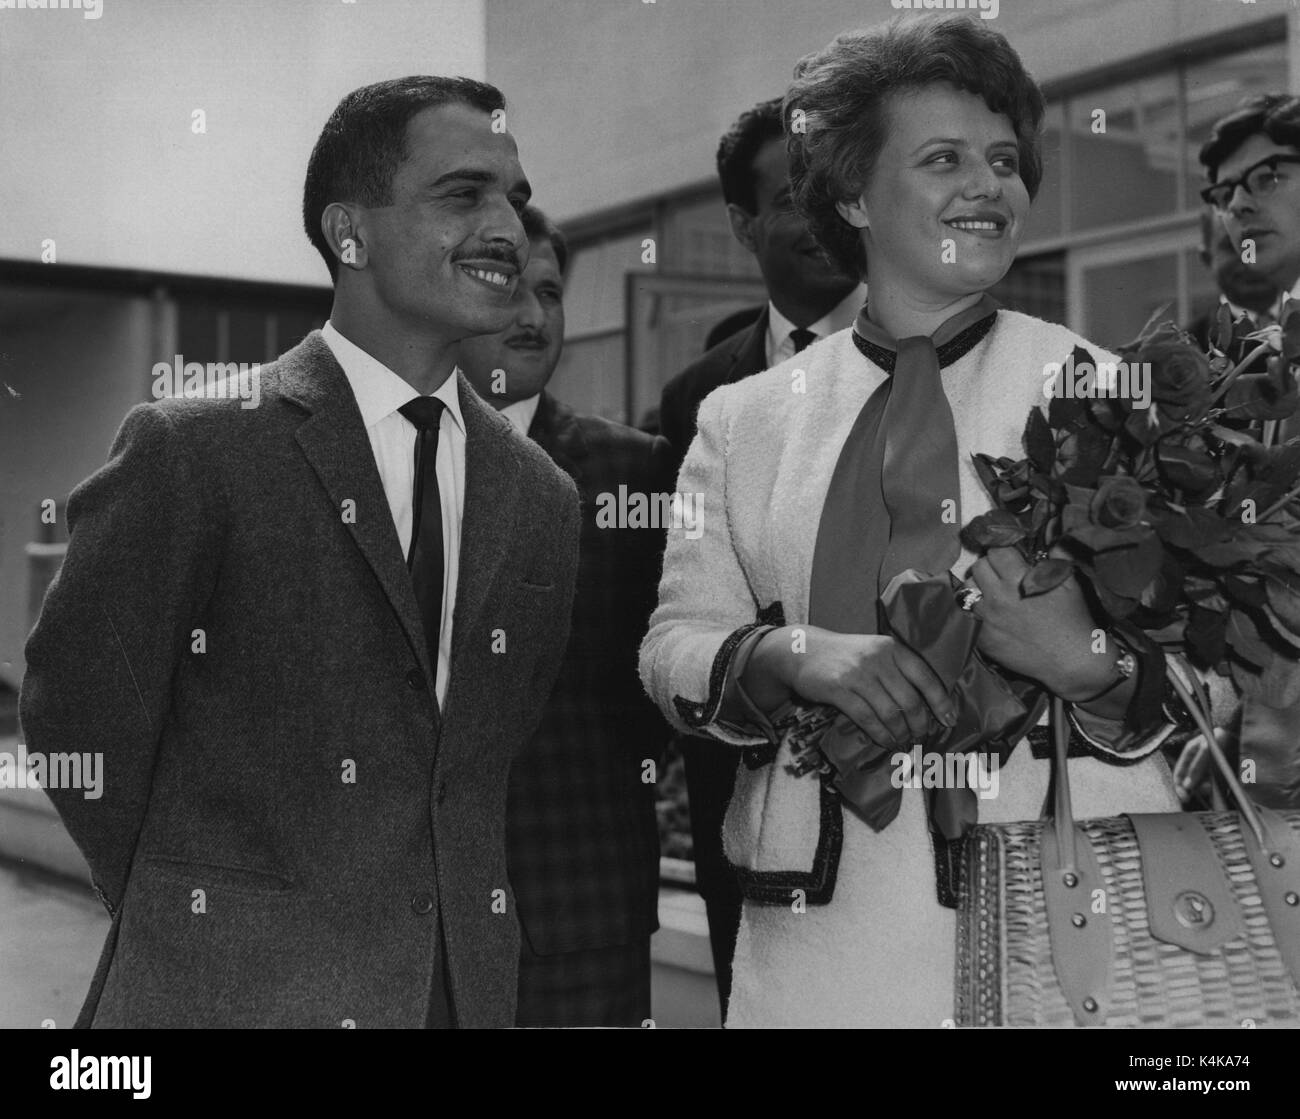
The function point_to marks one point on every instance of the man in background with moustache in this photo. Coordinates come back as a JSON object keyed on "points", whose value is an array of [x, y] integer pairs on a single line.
{"points": [[305, 761], [807, 300], [583, 840]]}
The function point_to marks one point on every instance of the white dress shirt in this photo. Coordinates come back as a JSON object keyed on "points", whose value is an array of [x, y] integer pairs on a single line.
{"points": [[1293, 295], [521, 413], [380, 393], [1237, 312], [840, 317]]}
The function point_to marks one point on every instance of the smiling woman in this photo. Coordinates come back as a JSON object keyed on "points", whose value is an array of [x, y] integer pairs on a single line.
{"points": [[913, 153], [899, 141]]}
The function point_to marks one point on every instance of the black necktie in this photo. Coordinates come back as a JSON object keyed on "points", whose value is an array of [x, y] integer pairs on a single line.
{"points": [[424, 557], [802, 339]]}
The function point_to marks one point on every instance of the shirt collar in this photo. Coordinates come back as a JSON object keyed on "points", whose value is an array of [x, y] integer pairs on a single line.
{"points": [[521, 412], [840, 317], [1237, 311], [1293, 295], [379, 391]]}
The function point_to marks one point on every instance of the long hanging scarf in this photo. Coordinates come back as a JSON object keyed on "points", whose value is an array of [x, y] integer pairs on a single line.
{"points": [[894, 503]]}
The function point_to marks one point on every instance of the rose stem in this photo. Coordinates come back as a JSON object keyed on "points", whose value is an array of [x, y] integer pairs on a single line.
{"points": [[1237, 369], [1281, 502]]}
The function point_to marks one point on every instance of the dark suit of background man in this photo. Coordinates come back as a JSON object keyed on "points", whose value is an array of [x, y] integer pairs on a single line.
{"points": [[807, 300], [583, 841], [304, 815]]}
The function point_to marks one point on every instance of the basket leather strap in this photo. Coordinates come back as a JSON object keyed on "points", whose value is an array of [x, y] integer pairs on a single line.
{"points": [[1080, 939], [1079, 936], [1277, 873], [1189, 901]]}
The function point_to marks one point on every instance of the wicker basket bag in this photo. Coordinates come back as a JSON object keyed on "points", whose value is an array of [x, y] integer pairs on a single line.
{"points": [[1173, 920]]}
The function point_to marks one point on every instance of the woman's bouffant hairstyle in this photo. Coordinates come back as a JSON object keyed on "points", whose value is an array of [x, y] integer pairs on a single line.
{"points": [[836, 111]]}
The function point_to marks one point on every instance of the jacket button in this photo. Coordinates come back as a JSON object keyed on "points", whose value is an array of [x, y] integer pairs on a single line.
{"points": [[415, 679], [442, 791], [422, 904]]}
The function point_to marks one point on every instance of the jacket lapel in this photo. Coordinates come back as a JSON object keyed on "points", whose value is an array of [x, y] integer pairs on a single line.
{"points": [[487, 529], [750, 356], [334, 441], [556, 430]]}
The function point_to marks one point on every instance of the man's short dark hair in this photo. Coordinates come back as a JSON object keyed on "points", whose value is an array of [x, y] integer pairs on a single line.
{"points": [[364, 142], [740, 147], [537, 225], [842, 93], [1275, 115]]}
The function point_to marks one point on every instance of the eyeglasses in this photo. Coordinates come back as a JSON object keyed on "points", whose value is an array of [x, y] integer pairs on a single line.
{"points": [[1259, 180]]}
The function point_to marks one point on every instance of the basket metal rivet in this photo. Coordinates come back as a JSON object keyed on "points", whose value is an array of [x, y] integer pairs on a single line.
{"points": [[1078, 920], [1277, 860], [1090, 1005], [1292, 898], [1071, 879]]}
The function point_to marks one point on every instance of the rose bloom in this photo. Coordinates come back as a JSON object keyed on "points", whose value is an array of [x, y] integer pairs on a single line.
{"points": [[1013, 486], [1120, 502], [1087, 447], [1180, 379]]}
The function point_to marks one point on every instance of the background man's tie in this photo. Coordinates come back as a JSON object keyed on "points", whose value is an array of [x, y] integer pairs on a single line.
{"points": [[424, 557], [802, 339]]}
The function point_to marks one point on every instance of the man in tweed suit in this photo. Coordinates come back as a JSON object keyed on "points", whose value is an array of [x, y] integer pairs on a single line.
{"points": [[807, 300], [303, 818], [583, 842]]}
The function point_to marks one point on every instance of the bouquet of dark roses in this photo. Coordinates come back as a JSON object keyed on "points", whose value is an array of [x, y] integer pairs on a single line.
{"points": [[1152, 482], [1149, 481]]}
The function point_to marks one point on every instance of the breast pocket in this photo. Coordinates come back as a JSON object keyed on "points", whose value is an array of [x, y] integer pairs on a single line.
{"points": [[236, 879]]}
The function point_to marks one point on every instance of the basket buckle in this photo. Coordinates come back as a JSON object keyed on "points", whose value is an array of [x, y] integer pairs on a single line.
{"points": [[1193, 910]]}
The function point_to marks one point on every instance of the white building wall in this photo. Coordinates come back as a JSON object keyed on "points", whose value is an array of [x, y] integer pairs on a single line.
{"points": [[616, 100], [96, 139]]}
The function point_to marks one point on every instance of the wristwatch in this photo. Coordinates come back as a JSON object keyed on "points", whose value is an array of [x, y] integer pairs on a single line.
{"points": [[1126, 664]]}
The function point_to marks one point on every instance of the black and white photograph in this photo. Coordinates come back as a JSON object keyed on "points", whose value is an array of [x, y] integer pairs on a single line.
{"points": [[651, 514]]}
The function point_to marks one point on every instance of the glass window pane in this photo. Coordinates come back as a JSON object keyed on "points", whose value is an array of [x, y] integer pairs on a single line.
{"points": [[593, 287], [1119, 298], [1202, 291], [1129, 170], [247, 336], [196, 329], [669, 319], [1035, 286], [1216, 87], [698, 241], [590, 376], [1045, 217], [293, 326]]}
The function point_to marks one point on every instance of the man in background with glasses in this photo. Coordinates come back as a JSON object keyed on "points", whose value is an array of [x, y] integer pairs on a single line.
{"points": [[1252, 161]]}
